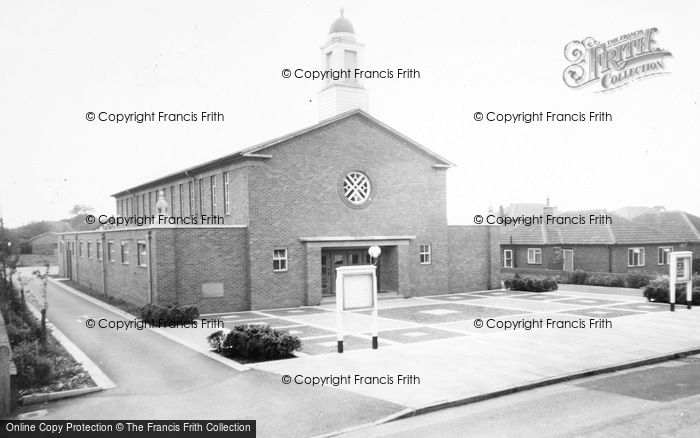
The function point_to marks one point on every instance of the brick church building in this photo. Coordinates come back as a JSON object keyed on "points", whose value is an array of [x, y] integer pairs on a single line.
{"points": [[289, 212]]}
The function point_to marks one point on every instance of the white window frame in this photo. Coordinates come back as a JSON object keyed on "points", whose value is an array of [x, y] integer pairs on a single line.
{"points": [[635, 252], [507, 258], [425, 254], [80, 248], [141, 256], [227, 206], [124, 253], [532, 256], [110, 250], [664, 252], [280, 262], [88, 245], [98, 249]]}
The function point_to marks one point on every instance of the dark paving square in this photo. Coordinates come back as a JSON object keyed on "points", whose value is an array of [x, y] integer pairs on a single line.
{"points": [[658, 384], [447, 312], [544, 296], [456, 297], [296, 312], [419, 334], [601, 312], [497, 293], [330, 344], [643, 307], [590, 301]]}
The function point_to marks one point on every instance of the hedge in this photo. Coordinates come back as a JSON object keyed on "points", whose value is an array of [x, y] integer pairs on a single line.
{"points": [[253, 343], [658, 291], [527, 284], [634, 281], [169, 313]]}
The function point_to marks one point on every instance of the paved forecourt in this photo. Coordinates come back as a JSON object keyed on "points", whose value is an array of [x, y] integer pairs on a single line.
{"points": [[464, 345]]}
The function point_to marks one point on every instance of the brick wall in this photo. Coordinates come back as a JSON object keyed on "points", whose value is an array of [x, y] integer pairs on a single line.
{"points": [[473, 258], [181, 259], [292, 196]]}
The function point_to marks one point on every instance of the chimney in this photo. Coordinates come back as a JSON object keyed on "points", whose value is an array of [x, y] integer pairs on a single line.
{"points": [[547, 210]]}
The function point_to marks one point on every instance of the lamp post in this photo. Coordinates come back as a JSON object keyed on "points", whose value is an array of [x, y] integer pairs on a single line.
{"points": [[374, 252]]}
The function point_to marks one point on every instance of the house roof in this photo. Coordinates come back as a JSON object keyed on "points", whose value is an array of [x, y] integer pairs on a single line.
{"points": [[48, 233], [255, 151], [649, 228]]}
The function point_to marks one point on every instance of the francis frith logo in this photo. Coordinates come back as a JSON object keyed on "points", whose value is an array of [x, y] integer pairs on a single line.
{"points": [[616, 62]]}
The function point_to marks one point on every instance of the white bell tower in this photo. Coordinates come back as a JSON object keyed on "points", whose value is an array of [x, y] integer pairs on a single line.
{"points": [[342, 54]]}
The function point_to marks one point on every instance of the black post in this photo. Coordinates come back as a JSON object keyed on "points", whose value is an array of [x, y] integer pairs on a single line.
{"points": [[375, 342], [340, 346]]}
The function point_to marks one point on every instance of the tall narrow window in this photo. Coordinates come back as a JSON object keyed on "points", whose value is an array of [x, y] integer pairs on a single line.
{"points": [[150, 203], [125, 252], [80, 248], [110, 250], [172, 200], [351, 63], [425, 254], [141, 254], [212, 183], [201, 195], [98, 249], [279, 260], [180, 196], [192, 201], [227, 206], [89, 249], [507, 258]]}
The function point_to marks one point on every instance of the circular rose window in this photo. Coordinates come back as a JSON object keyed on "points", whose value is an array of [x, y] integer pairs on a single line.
{"points": [[356, 188]]}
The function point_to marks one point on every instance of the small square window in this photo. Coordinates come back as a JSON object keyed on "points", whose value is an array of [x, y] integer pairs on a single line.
{"points": [[279, 260], [425, 254], [534, 256], [664, 255], [635, 257]]}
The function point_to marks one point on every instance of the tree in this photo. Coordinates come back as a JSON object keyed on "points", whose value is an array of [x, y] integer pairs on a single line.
{"points": [[81, 209], [44, 278]]}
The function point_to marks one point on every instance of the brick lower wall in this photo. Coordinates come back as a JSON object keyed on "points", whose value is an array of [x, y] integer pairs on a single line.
{"points": [[473, 258]]}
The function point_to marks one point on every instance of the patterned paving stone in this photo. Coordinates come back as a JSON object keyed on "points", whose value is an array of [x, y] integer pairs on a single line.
{"points": [[602, 312], [421, 334], [540, 296], [589, 301], [273, 322], [497, 293], [643, 307], [447, 312], [296, 312], [457, 297], [329, 345]]}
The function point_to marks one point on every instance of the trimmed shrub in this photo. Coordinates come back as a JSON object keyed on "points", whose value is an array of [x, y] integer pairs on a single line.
{"points": [[578, 277], [636, 281], [254, 343], [531, 285], [174, 313], [658, 291]]}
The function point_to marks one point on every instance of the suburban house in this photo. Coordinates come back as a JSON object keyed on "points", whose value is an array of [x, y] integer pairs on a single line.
{"points": [[618, 245], [44, 243], [275, 220]]}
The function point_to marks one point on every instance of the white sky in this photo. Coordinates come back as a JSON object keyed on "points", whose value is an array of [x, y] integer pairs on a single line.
{"points": [[59, 60]]}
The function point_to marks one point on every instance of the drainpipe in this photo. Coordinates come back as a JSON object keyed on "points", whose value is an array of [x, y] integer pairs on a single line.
{"points": [[150, 268]]}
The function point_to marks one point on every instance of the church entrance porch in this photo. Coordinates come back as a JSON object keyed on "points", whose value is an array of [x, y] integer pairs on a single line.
{"points": [[325, 254], [331, 259]]}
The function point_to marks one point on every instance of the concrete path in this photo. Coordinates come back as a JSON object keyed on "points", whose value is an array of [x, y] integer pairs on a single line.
{"points": [[157, 378]]}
